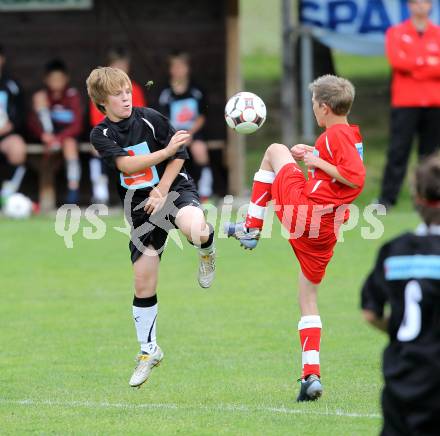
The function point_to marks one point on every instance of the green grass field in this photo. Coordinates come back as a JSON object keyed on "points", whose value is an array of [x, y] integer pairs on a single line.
{"points": [[232, 354]]}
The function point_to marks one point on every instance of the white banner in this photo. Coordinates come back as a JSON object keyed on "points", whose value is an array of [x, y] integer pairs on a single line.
{"points": [[43, 5], [356, 26]]}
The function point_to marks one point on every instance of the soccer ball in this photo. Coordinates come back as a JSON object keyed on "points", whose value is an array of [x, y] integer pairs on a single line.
{"points": [[17, 206], [245, 112]]}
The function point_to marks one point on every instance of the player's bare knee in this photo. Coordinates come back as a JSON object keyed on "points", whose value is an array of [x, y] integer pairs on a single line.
{"points": [[144, 285], [274, 148], [271, 150], [15, 149], [199, 153], [199, 232]]}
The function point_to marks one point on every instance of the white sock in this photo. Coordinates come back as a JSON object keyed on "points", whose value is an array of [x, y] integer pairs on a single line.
{"points": [[99, 180], [145, 323], [11, 186], [205, 182], [45, 120], [73, 170]]}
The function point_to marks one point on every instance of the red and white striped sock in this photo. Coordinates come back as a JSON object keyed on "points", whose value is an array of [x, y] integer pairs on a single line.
{"points": [[261, 195], [310, 335]]}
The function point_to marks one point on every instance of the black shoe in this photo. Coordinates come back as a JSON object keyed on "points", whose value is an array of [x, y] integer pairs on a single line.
{"points": [[311, 389]]}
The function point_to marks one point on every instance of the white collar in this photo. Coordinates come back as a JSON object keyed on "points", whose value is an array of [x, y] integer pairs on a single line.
{"points": [[424, 230]]}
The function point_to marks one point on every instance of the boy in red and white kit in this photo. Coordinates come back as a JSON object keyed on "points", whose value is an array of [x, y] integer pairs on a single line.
{"points": [[312, 210]]}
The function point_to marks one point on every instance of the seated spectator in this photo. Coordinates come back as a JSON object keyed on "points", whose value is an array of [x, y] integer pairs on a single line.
{"points": [[12, 144], [184, 104], [116, 58], [56, 120]]}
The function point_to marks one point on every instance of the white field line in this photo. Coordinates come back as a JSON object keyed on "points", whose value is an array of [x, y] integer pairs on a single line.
{"points": [[170, 406]]}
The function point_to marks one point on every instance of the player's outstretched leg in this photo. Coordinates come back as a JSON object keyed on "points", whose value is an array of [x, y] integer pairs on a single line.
{"points": [[248, 232], [145, 316], [309, 328], [192, 223]]}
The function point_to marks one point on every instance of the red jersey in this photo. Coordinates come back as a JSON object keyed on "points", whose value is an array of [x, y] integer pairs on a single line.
{"points": [[340, 145], [66, 113], [313, 237], [415, 61], [97, 117]]}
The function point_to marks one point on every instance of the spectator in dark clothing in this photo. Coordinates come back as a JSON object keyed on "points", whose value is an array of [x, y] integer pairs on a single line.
{"points": [[184, 104], [413, 51], [56, 120], [12, 144]]}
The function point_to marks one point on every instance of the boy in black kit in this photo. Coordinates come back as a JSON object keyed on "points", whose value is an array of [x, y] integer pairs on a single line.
{"points": [[407, 278], [157, 193]]}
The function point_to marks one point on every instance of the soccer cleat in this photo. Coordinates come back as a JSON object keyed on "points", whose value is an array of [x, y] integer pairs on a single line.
{"points": [[145, 363], [206, 269], [311, 389], [248, 238]]}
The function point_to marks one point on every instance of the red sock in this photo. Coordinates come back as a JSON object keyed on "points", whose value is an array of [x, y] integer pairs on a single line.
{"points": [[310, 335], [261, 195]]}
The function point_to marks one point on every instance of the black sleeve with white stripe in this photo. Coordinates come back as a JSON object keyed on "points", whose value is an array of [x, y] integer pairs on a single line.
{"points": [[162, 130], [107, 148]]}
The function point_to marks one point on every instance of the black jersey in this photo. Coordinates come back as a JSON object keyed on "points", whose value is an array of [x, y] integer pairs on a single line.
{"points": [[144, 132], [407, 277], [182, 109], [11, 102]]}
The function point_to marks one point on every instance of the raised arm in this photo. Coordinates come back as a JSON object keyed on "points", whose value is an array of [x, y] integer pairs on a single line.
{"points": [[133, 164]]}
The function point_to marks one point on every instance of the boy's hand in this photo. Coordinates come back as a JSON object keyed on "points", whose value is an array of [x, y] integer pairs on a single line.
{"points": [[156, 200], [47, 138], [50, 142], [311, 160], [179, 139], [299, 150]]}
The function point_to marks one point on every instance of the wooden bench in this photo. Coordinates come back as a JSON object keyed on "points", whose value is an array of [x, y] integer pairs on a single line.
{"points": [[49, 164]]}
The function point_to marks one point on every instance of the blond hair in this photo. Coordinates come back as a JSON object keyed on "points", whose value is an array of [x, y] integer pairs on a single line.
{"points": [[105, 81], [336, 92]]}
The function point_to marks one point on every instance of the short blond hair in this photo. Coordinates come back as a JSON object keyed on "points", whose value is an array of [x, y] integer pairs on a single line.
{"points": [[105, 81], [336, 92]]}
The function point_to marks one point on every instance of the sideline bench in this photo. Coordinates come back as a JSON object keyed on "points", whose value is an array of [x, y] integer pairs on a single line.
{"points": [[48, 165]]}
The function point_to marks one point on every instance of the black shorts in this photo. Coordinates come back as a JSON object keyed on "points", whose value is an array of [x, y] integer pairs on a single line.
{"points": [[401, 418], [147, 230]]}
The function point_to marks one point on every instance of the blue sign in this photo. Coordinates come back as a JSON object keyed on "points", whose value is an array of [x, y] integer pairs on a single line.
{"points": [[356, 26]]}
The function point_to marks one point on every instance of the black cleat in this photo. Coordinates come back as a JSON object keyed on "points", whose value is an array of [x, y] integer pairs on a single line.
{"points": [[311, 389]]}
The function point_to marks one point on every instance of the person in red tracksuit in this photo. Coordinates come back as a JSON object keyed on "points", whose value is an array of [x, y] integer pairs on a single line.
{"points": [[413, 51]]}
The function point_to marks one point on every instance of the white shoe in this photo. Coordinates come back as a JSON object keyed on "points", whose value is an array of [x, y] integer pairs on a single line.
{"points": [[145, 363], [206, 269]]}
